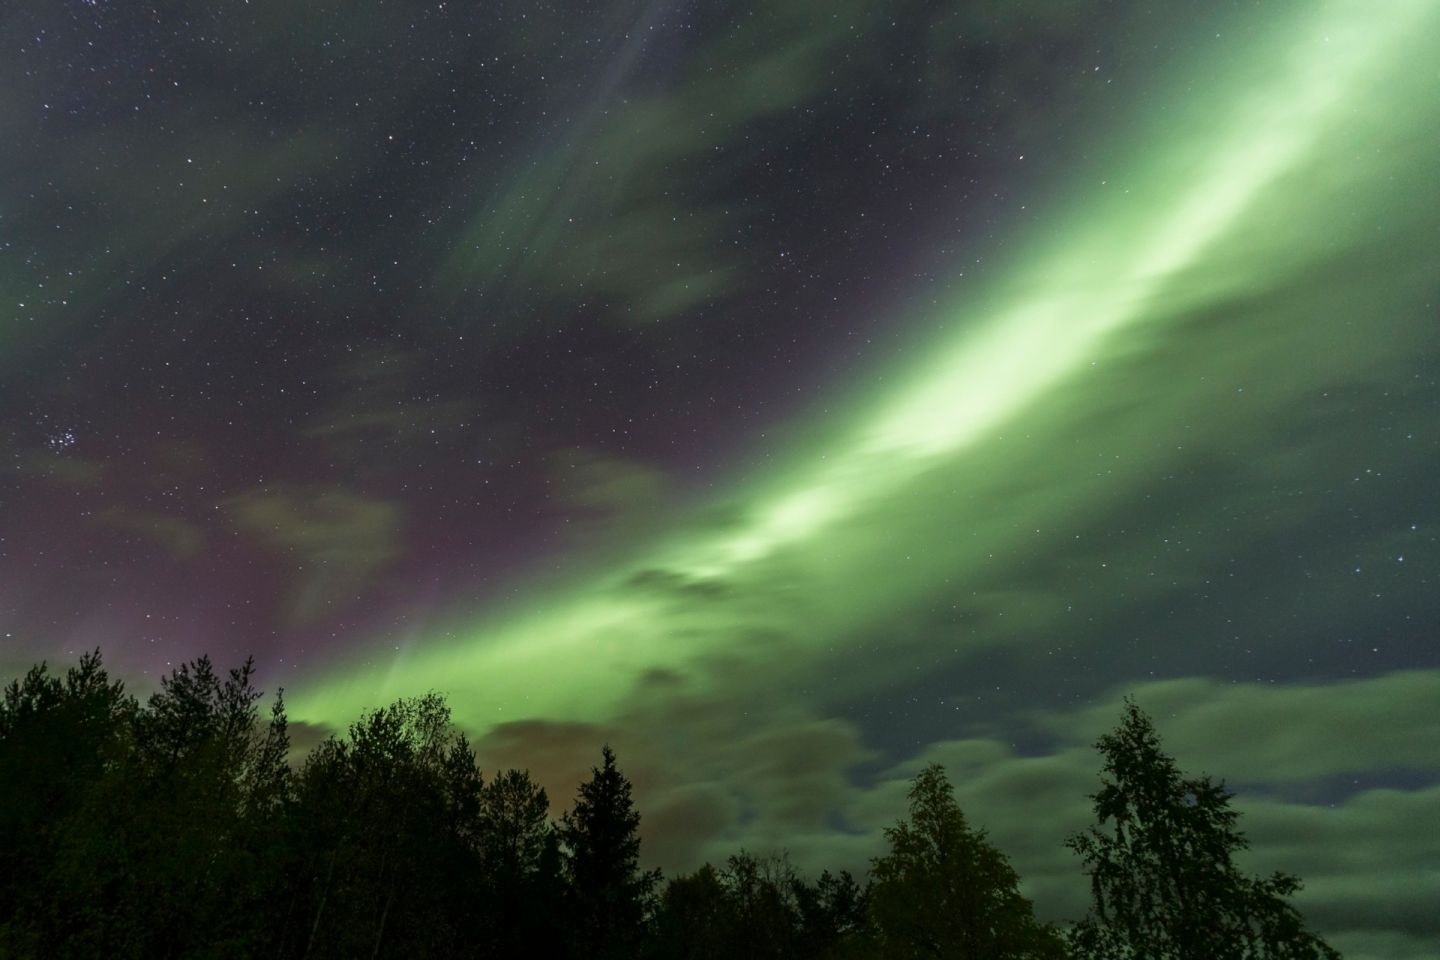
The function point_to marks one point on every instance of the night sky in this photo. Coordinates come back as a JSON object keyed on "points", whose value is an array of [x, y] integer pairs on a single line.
{"points": [[790, 394]]}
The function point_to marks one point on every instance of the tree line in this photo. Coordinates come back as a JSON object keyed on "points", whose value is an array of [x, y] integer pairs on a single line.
{"points": [[181, 827]]}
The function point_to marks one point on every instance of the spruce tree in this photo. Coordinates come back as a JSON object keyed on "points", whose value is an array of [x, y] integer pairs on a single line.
{"points": [[610, 895]]}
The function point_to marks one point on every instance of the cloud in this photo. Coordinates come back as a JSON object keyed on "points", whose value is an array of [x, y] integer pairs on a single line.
{"points": [[63, 469], [1269, 733], [305, 737], [593, 480], [1367, 861], [712, 773], [723, 771], [375, 401], [1384, 945], [1369, 864], [558, 755], [599, 496], [338, 540], [682, 825], [677, 585], [181, 538], [619, 209], [723, 761]]}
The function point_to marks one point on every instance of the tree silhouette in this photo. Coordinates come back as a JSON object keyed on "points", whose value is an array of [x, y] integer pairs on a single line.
{"points": [[1163, 882], [944, 891], [520, 851], [833, 915], [764, 915], [760, 908], [693, 920], [611, 898], [384, 831], [58, 739], [179, 828], [515, 825], [163, 834]]}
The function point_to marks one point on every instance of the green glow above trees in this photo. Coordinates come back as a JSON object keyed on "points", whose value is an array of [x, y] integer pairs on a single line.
{"points": [[1209, 201]]}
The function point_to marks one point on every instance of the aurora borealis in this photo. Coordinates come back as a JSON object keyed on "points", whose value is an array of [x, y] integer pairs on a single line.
{"points": [[789, 395]]}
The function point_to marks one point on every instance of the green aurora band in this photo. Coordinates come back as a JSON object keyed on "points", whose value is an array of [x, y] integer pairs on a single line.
{"points": [[1144, 303]]}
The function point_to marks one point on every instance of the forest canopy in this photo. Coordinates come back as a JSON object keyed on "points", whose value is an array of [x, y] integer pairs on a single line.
{"points": [[186, 826]]}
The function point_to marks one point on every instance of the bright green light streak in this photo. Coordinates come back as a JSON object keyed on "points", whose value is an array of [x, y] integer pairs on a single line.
{"points": [[574, 653], [986, 377]]}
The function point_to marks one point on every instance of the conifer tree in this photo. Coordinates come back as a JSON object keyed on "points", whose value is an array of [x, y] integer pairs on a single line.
{"points": [[610, 895]]}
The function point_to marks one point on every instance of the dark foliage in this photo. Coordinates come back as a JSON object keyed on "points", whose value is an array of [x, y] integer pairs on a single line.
{"points": [[182, 827], [1163, 883], [610, 898], [944, 891], [57, 740], [760, 908]]}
